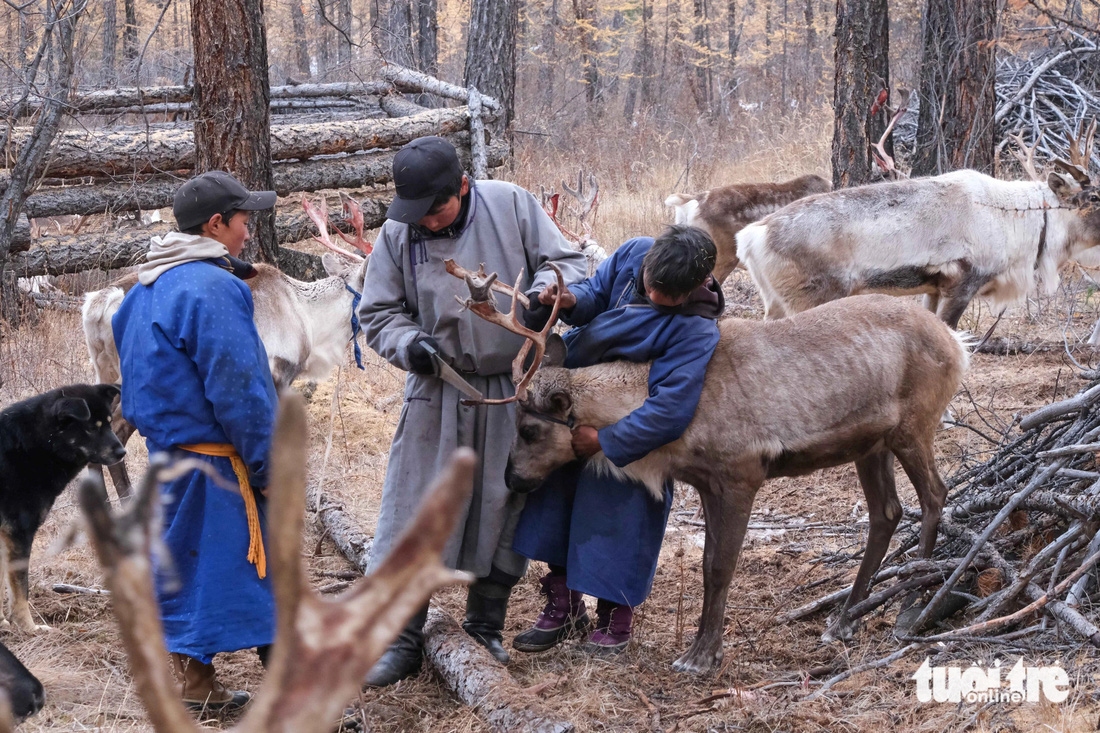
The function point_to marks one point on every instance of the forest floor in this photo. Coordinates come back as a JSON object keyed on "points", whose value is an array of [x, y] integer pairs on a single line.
{"points": [[83, 667]]}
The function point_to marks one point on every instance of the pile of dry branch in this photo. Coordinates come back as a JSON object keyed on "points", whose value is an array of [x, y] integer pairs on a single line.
{"points": [[1018, 546]]}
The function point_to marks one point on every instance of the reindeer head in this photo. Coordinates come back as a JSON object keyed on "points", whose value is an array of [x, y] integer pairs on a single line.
{"points": [[1074, 187], [543, 441]]}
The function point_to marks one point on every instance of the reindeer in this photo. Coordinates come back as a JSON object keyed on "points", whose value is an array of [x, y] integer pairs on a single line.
{"points": [[304, 326], [323, 646], [951, 237], [883, 372], [585, 208], [724, 211]]}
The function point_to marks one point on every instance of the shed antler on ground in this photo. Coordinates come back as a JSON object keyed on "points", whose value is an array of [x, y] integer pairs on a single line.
{"points": [[323, 648]]}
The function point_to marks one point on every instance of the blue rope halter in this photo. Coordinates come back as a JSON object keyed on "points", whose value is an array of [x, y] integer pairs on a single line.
{"points": [[356, 329]]}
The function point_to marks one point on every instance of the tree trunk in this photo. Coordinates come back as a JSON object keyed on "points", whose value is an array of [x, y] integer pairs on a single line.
{"points": [[491, 54], [483, 683], [733, 45], [324, 37], [343, 32], [955, 128], [427, 36], [301, 39], [110, 42], [549, 56], [232, 116], [129, 38], [809, 57], [700, 86], [862, 71], [116, 151], [398, 46], [585, 13]]}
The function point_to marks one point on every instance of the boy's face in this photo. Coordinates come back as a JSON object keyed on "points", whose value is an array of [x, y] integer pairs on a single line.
{"points": [[442, 217], [233, 234]]}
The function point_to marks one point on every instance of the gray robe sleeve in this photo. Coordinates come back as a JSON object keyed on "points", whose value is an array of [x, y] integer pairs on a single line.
{"points": [[384, 314], [545, 244]]}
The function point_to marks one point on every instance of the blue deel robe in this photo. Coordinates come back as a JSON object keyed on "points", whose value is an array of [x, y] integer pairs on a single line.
{"points": [[195, 371], [607, 532]]}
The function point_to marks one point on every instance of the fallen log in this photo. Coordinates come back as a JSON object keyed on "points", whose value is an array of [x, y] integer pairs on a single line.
{"points": [[409, 80], [276, 104], [395, 105], [126, 248], [482, 682], [105, 99], [349, 171], [341, 528], [125, 151], [1004, 346]]}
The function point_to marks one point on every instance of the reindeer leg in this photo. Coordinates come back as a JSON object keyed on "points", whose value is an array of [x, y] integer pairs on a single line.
{"points": [[920, 467], [726, 508], [932, 302], [876, 475], [959, 294]]}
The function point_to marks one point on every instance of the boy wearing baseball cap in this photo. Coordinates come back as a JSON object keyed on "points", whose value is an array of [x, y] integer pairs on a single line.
{"points": [[196, 384], [408, 311]]}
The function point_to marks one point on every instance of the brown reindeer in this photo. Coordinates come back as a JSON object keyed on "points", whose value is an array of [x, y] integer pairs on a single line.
{"points": [[725, 210], [323, 646], [860, 380]]}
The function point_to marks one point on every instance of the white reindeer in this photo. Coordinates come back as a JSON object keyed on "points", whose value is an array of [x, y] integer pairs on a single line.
{"points": [[951, 237], [305, 326]]}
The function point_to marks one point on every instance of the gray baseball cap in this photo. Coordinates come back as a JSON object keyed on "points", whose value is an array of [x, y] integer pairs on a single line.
{"points": [[215, 192]]}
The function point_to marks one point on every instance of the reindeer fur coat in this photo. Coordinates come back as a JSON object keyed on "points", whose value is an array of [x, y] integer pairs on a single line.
{"points": [[407, 294]]}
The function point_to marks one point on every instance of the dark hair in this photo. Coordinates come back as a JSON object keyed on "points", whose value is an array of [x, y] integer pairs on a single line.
{"points": [[226, 216], [448, 192], [679, 260]]}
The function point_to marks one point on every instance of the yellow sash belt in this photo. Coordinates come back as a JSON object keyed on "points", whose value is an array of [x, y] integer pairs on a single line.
{"points": [[256, 554]]}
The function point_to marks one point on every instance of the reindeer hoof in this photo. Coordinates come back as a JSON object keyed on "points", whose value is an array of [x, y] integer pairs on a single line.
{"points": [[697, 661], [32, 628]]}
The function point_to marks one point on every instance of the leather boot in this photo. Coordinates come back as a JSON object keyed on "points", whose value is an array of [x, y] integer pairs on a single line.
{"points": [[200, 688], [614, 625], [404, 657], [563, 616], [486, 606]]}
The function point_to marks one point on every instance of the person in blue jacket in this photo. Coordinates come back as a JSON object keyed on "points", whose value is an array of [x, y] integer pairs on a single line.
{"points": [[196, 383], [655, 301]]}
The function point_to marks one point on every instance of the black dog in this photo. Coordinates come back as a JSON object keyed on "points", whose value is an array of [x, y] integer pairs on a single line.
{"points": [[44, 442], [25, 693]]}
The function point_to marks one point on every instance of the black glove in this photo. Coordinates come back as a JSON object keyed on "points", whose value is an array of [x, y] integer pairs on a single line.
{"points": [[537, 315], [420, 361]]}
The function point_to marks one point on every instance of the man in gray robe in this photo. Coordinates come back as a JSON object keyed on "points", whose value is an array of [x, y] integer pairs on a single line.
{"points": [[409, 302]]}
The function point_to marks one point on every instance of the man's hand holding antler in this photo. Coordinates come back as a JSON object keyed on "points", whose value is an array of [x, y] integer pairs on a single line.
{"points": [[538, 314]]}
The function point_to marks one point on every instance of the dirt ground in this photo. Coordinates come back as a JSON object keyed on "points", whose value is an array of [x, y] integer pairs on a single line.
{"points": [[353, 416]]}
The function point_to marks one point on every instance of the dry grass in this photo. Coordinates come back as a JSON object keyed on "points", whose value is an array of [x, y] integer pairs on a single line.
{"points": [[85, 673]]}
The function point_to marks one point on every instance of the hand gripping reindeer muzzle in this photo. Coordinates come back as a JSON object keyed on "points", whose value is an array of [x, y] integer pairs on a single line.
{"points": [[482, 304]]}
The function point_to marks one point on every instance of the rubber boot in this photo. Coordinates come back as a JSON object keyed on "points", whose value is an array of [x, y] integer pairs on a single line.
{"points": [[563, 616], [614, 624], [486, 607], [404, 657], [200, 688]]}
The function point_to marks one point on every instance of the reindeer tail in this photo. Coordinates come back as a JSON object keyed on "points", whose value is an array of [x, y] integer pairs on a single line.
{"points": [[686, 207]]}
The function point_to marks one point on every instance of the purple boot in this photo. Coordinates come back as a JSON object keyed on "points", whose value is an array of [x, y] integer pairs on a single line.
{"points": [[564, 615], [614, 623]]}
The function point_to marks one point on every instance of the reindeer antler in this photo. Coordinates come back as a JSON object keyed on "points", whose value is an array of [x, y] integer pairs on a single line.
{"points": [[323, 647], [483, 305], [1080, 154], [1026, 155], [587, 203], [319, 215], [354, 214], [878, 150]]}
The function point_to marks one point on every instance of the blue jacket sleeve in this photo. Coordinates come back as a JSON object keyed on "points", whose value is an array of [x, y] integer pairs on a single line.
{"points": [[594, 293], [675, 384], [221, 339]]}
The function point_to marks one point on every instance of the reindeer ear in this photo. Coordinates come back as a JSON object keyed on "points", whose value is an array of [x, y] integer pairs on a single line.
{"points": [[560, 402], [556, 351], [1062, 186], [333, 266]]}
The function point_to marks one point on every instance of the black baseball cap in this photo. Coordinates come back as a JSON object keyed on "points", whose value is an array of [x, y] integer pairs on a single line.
{"points": [[421, 170], [215, 192]]}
